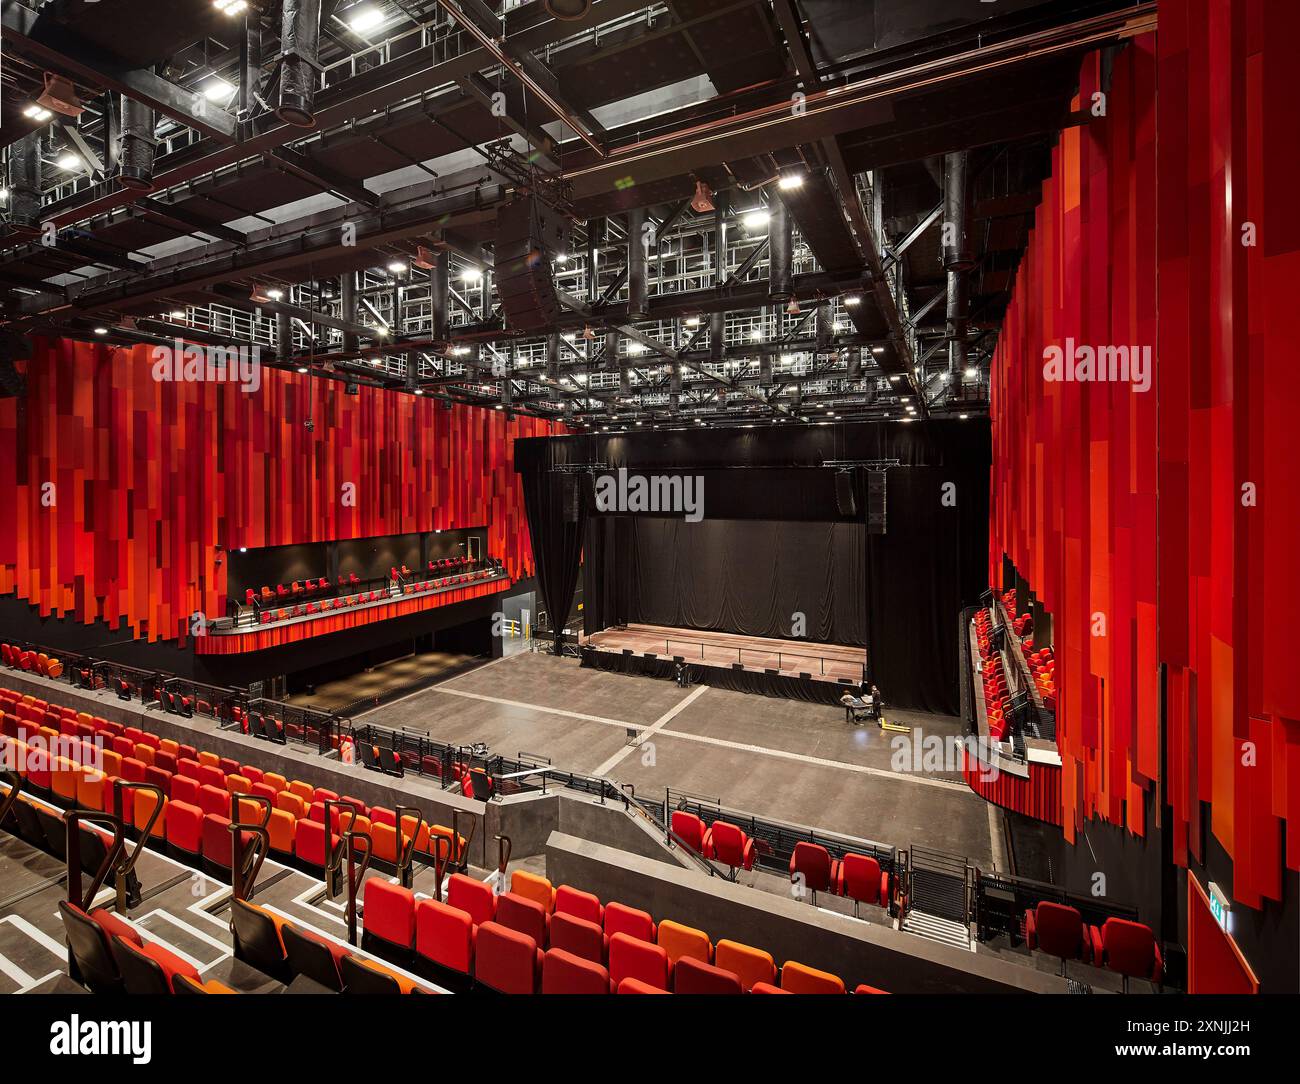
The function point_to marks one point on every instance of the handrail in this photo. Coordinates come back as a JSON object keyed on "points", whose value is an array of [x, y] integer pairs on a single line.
{"points": [[124, 870], [439, 863], [504, 847], [73, 819], [406, 854], [333, 853], [15, 782], [462, 863], [355, 876], [243, 884]]}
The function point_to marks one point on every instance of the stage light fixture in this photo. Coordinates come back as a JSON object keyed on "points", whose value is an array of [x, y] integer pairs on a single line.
{"points": [[692, 321], [972, 373], [852, 301], [756, 334], [877, 349], [702, 201], [37, 113], [70, 162], [756, 220], [366, 19], [396, 267], [217, 89], [231, 7], [471, 274], [101, 331], [177, 315], [963, 417], [275, 295], [790, 180], [561, 257]]}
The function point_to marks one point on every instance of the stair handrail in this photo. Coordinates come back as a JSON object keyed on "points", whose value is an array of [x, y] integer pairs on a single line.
{"points": [[128, 863], [73, 820], [404, 853], [355, 876], [244, 870]]}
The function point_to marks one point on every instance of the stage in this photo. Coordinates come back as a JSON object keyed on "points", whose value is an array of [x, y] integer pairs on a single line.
{"points": [[801, 670]]}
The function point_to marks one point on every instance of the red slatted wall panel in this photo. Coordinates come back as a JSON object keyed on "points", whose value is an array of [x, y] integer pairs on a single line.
{"points": [[1074, 476], [152, 477], [1229, 402]]}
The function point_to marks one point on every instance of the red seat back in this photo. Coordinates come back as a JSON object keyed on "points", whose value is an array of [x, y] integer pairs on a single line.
{"points": [[389, 912], [692, 976], [631, 958], [505, 960], [564, 973], [813, 862]]}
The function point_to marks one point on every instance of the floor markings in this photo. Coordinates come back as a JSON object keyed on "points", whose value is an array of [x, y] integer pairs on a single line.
{"points": [[621, 724], [653, 728]]}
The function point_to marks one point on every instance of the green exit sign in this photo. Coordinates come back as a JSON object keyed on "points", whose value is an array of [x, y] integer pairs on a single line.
{"points": [[1220, 907]]}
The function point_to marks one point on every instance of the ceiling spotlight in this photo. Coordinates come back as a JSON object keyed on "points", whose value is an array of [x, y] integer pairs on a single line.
{"points": [[756, 220], [852, 301], [275, 295], [972, 373], [877, 349], [895, 378], [70, 162], [366, 19], [471, 274], [419, 391], [757, 334], [37, 113], [217, 89], [397, 267], [561, 257], [231, 7], [963, 417], [302, 368], [790, 180], [177, 315], [101, 331], [692, 321], [497, 407]]}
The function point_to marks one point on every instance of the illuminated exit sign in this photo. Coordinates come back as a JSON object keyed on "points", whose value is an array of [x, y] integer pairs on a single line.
{"points": [[1220, 906]]}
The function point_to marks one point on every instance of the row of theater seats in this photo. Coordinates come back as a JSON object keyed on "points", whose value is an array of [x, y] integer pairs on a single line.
{"points": [[857, 876], [299, 590], [194, 822], [1042, 666], [439, 567], [1129, 948], [17, 658], [413, 587], [540, 939], [271, 613]]}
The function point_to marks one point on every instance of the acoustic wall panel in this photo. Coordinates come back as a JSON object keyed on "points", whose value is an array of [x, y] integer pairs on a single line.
{"points": [[122, 491]]}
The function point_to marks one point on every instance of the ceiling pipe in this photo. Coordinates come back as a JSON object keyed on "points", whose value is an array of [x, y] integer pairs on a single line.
{"points": [[637, 263], [300, 52], [780, 248], [958, 260], [348, 308], [137, 145], [718, 319]]}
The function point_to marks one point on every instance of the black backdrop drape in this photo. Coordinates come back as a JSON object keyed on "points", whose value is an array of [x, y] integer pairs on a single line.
{"points": [[556, 538], [918, 576]]}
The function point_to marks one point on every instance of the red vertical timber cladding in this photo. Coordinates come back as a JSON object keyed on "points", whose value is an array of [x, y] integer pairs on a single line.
{"points": [[151, 477]]}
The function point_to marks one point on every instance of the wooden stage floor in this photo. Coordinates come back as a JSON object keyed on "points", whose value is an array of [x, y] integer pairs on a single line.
{"points": [[828, 662]]}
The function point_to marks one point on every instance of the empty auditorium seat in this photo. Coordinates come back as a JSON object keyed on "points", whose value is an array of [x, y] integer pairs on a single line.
{"points": [[309, 842], [148, 968], [572, 901], [389, 912], [90, 941], [364, 976], [257, 937], [505, 960], [565, 973], [813, 862], [1059, 931], [515, 912], [620, 918], [316, 957], [1129, 948], [860, 878], [530, 886], [445, 936], [679, 940], [766, 988], [729, 845], [184, 829], [633, 958], [748, 964], [578, 936], [691, 976], [689, 829], [799, 978]]}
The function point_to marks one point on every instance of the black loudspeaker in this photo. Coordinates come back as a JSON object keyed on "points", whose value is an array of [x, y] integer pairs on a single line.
{"points": [[845, 499], [529, 234], [875, 502], [572, 497]]}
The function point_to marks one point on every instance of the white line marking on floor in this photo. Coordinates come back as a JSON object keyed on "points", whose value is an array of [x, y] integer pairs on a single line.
{"points": [[16, 973], [653, 728], [37, 934], [620, 723], [41, 982], [193, 931], [804, 758]]}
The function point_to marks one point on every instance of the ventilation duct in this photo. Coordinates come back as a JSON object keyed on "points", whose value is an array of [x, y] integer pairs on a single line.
{"points": [[957, 257], [299, 50], [780, 247], [135, 157], [637, 257]]}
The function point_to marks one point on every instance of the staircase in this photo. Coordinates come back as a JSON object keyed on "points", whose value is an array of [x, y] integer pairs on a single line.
{"points": [[938, 907]]}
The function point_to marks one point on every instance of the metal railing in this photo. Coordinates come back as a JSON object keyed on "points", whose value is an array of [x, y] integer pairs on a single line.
{"points": [[1000, 901]]}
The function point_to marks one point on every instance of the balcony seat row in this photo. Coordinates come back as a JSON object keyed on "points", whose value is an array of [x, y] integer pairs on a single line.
{"points": [[37, 662]]}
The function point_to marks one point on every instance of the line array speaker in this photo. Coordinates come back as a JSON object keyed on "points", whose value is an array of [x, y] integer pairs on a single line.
{"points": [[875, 502], [845, 497], [529, 234]]}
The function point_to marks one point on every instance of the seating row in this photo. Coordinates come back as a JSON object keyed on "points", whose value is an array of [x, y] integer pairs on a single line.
{"points": [[541, 939], [1129, 948], [36, 661]]}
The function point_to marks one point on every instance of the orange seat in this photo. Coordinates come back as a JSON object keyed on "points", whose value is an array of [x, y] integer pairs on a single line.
{"points": [[535, 888], [749, 964], [799, 978], [280, 827], [305, 791], [142, 810], [290, 803], [209, 760], [275, 782], [90, 790], [678, 941], [238, 784]]}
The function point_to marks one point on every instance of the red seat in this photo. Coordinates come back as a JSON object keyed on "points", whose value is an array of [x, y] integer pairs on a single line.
{"points": [[1059, 931], [518, 913], [565, 973], [185, 789], [861, 880], [445, 936], [578, 936], [474, 897], [690, 829], [632, 958], [620, 918], [211, 776], [184, 827], [813, 862], [729, 845], [389, 912], [214, 800], [1129, 948], [692, 976], [217, 841], [505, 960], [309, 842]]}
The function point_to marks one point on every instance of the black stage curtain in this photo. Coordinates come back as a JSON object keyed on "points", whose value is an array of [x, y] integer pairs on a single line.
{"points": [[726, 575], [556, 519]]}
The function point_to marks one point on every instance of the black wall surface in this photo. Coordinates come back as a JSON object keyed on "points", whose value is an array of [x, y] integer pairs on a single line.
{"points": [[917, 577]]}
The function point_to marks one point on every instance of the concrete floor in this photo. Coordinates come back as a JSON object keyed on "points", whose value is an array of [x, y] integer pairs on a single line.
{"points": [[382, 680], [781, 759]]}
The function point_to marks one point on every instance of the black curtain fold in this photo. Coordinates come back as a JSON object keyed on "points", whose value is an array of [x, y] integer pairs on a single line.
{"points": [[557, 517]]}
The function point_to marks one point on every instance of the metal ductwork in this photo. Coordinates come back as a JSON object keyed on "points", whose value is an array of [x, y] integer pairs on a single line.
{"points": [[25, 184], [568, 10], [348, 304], [780, 251], [553, 356], [300, 51], [136, 153], [958, 259], [283, 336], [610, 358], [438, 293], [637, 259], [718, 320]]}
